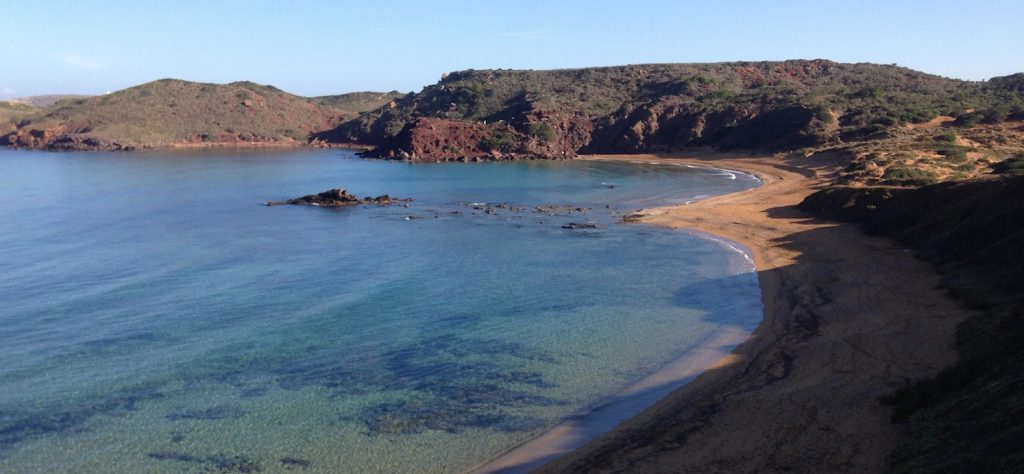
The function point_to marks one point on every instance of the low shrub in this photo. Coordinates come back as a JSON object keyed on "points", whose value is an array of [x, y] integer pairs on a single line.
{"points": [[542, 131], [909, 177], [968, 120], [955, 155], [499, 141], [1013, 165]]}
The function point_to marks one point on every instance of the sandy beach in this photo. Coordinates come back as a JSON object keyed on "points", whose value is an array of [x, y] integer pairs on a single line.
{"points": [[848, 319]]}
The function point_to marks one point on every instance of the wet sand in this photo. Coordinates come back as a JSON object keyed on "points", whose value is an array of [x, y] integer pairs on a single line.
{"points": [[848, 319]]}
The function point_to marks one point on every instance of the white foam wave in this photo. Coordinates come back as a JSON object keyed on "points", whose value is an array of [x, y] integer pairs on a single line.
{"points": [[730, 245]]}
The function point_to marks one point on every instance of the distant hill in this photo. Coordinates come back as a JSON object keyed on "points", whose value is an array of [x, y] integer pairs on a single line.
{"points": [[768, 106], [11, 110], [898, 126], [171, 112], [43, 101], [357, 102]]}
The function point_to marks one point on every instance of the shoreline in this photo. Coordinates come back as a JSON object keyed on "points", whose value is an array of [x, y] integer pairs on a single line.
{"points": [[581, 428], [848, 318], [577, 430]]}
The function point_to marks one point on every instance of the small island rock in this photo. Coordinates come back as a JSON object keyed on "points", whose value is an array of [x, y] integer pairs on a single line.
{"points": [[337, 198]]}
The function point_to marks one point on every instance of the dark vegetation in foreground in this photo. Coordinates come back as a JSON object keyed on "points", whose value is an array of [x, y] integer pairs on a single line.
{"points": [[969, 418]]}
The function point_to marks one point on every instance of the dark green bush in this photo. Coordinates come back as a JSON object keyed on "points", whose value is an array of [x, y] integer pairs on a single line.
{"points": [[499, 141], [1013, 165], [995, 114], [909, 177], [870, 92], [918, 115], [968, 120], [542, 131], [1016, 113], [957, 155], [875, 130], [824, 114]]}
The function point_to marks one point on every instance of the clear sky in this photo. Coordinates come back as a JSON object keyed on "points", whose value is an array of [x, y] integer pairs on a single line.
{"points": [[312, 47]]}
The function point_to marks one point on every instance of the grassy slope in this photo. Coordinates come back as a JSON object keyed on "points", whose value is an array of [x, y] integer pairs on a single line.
{"points": [[14, 111], [168, 111]]}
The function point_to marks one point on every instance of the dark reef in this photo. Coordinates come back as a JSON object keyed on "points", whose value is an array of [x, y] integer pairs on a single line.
{"points": [[337, 198]]}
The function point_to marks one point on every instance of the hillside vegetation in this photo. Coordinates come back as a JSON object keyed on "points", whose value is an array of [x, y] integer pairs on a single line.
{"points": [[12, 111], [171, 112], [776, 106]]}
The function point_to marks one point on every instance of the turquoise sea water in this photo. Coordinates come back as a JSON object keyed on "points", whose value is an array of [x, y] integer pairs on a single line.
{"points": [[156, 317]]}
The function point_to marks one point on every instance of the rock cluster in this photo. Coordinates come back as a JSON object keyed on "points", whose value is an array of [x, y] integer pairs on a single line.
{"points": [[546, 209], [337, 198], [582, 225]]}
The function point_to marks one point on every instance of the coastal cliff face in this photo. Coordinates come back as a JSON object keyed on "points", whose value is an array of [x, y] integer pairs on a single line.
{"points": [[768, 106]]}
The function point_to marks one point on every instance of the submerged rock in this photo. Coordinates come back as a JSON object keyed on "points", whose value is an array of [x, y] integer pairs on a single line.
{"points": [[337, 198], [291, 463], [632, 217], [581, 225]]}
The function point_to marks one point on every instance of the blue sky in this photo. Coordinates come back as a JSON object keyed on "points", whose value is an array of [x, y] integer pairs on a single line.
{"points": [[324, 47]]}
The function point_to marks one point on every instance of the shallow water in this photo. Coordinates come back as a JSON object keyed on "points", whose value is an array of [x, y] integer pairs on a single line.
{"points": [[157, 318]]}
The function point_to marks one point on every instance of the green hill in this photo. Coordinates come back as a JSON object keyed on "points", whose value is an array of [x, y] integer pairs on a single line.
{"points": [[170, 112], [662, 107]]}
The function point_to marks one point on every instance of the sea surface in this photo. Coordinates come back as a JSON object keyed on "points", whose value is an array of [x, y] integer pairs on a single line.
{"points": [[155, 316]]}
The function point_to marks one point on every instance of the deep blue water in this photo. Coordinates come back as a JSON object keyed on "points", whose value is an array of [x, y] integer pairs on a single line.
{"points": [[155, 316]]}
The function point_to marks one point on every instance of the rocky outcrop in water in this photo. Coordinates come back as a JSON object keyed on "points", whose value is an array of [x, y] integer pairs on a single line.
{"points": [[337, 198]]}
